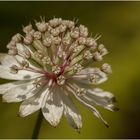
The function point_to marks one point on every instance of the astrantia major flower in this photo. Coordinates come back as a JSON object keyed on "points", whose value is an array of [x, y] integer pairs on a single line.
{"points": [[50, 64]]}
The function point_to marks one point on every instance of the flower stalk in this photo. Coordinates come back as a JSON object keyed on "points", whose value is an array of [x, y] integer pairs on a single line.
{"points": [[36, 130]]}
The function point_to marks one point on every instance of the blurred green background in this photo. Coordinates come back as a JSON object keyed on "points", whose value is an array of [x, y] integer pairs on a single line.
{"points": [[119, 25]]}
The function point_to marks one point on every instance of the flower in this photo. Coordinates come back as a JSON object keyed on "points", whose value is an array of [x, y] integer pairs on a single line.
{"points": [[51, 65]]}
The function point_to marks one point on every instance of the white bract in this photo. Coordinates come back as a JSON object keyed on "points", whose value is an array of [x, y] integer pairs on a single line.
{"points": [[49, 65]]}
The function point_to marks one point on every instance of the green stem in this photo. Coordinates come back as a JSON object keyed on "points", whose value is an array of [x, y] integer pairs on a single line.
{"points": [[37, 126]]}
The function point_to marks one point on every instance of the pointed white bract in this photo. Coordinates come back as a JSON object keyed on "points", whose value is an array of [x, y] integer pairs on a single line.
{"points": [[52, 108], [33, 103], [51, 63], [91, 76], [71, 112], [19, 92]]}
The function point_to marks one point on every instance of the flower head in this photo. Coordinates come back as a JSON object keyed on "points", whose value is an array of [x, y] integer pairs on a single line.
{"points": [[50, 64]]}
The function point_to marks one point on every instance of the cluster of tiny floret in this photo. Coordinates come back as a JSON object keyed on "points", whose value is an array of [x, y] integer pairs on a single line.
{"points": [[61, 47]]}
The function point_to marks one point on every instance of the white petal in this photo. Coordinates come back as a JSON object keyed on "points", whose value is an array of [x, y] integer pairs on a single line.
{"points": [[5, 73], [34, 103], [84, 76], [52, 107], [18, 92], [99, 93], [97, 96], [23, 49], [7, 60], [86, 103], [93, 109], [71, 112], [102, 98], [5, 87]]}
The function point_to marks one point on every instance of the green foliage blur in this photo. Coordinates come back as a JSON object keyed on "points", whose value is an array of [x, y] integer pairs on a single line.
{"points": [[119, 25]]}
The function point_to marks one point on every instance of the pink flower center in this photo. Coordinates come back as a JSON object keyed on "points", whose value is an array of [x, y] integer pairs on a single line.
{"points": [[54, 76]]}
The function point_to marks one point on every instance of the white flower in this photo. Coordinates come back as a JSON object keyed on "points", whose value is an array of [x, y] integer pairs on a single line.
{"points": [[52, 64]]}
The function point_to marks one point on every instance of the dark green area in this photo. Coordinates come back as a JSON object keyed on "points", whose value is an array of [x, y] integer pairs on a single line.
{"points": [[119, 25]]}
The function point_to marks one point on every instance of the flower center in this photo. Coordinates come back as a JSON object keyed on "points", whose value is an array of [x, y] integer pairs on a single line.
{"points": [[59, 48], [57, 73]]}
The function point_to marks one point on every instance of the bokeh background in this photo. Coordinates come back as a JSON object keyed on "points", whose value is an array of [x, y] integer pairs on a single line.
{"points": [[119, 25]]}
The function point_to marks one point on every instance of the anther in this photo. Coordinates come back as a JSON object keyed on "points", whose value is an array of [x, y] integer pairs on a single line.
{"points": [[40, 54], [41, 26], [67, 40], [27, 28], [70, 24], [56, 69], [46, 60], [97, 56], [24, 64], [83, 31], [55, 22], [103, 51], [77, 50], [14, 69], [61, 54], [94, 78], [55, 32], [81, 40], [61, 80], [91, 42], [62, 28], [57, 40], [75, 33], [16, 38], [81, 91], [28, 39], [77, 68], [47, 42], [87, 55], [32, 32], [37, 35], [106, 68]]}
